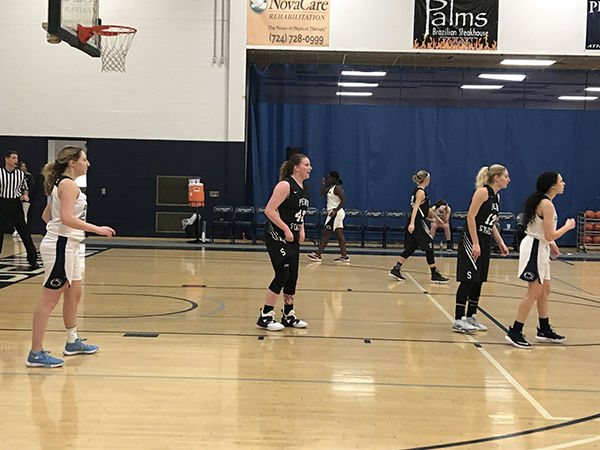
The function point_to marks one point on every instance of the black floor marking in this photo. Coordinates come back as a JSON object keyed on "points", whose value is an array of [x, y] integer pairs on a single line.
{"points": [[141, 334], [261, 338], [367, 341], [489, 316], [193, 305], [510, 435], [295, 336]]}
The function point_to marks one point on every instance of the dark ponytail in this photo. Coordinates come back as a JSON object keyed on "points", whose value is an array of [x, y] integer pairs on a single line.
{"points": [[544, 182]]}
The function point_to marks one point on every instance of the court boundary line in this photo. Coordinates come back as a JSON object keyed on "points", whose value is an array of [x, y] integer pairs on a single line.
{"points": [[526, 395], [511, 435]]}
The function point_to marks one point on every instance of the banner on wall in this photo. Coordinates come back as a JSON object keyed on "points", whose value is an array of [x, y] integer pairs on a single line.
{"points": [[592, 36], [456, 25], [289, 23]]}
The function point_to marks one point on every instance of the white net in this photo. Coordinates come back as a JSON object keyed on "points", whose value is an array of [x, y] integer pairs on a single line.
{"points": [[115, 41]]}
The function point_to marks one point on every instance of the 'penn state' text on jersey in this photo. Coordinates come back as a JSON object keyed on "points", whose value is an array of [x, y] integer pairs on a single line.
{"points": [[291, 211]]}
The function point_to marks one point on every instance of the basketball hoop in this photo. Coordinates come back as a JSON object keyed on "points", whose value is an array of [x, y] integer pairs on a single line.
{"points": [[115, 41]]}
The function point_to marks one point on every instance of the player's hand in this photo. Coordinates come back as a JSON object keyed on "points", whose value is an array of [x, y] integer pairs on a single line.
{"points": [[554, 250], [476, 252], [323, 181], [332, 213], [105, 231], [503, 249], [411, 228], [570, 223], [289, 236]]}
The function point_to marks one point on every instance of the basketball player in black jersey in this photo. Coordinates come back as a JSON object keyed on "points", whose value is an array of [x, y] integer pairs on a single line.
{"points": [[474, 246], [417, 232], [283, 235]]}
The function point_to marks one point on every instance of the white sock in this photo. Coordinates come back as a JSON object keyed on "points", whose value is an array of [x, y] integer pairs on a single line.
{"points": [[72, 335]]}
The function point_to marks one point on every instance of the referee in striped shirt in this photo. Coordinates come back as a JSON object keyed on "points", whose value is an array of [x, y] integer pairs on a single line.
{"points": [[13, 190]]}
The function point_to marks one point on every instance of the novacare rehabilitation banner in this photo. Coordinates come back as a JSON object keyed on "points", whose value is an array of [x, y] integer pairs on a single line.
{"points": [[302, 23], [456, 24], [592, 36]]}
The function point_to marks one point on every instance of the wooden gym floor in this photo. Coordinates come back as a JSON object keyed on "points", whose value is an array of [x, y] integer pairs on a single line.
{"points": [[182, 365]]}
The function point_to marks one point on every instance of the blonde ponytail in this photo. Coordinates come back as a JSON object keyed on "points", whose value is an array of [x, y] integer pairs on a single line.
{"points": [[55, 169], [486, 174]]}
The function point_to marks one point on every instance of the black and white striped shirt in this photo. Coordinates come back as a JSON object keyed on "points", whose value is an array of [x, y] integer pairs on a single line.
{"points": [[12, 184]]}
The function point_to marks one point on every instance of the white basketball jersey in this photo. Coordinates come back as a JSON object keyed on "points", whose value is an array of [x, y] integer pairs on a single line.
{"points": [[55, 226], [333, 200]]}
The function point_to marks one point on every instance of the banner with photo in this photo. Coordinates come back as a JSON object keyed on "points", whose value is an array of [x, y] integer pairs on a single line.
{"points": [[289, 23], [592, 35], [456, 25]]}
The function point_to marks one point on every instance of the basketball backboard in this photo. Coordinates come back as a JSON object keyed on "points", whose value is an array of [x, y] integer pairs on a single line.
{"points": [[65, 15]]}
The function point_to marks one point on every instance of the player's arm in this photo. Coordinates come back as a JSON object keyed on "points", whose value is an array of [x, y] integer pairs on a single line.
{"points": [[479, 197], [280, 193], [46, 213], [548, 211], [68, 191]]}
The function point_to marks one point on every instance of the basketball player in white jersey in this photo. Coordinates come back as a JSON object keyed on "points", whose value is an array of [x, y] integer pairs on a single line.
{"points": [[534, 258], [336, 199], [65, 216]]}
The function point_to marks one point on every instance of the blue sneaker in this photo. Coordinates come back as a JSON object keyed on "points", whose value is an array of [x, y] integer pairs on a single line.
{"points": [[77, 347], [42, 359]]}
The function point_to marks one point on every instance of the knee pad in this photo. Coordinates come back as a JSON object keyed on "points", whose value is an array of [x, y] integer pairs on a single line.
{"points": [[429, 256], [282, 273]]}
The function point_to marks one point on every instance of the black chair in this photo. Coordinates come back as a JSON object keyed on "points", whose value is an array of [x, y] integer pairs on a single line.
{"points": [[395, 226], [507, 225], [260, 221], [354, 225], [457, 223], [374, 229], [243, 222], [222, 221], [312, 224]]}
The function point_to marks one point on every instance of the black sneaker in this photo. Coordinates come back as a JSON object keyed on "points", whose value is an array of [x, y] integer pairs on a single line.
{"points": [[395, 273], [267, 321], [437, 277], [549, 336], [517, 339], [290, 320]]}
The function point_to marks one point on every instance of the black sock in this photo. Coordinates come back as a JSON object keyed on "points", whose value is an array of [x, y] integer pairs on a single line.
{"points": [[545, 324], [472, 307], [267, 309], [398, 265], [517, 327], [449, 245], [433, 270], [288, 308]]}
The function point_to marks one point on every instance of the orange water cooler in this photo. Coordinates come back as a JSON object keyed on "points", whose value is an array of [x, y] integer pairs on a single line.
{"points": [[195, 192], [196, 200]]}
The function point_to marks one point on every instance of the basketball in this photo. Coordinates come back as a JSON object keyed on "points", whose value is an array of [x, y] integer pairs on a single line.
{"points": [[588, 239], [590, 214], [596, 239], [589, 227], [597, 214], [597, 227]]}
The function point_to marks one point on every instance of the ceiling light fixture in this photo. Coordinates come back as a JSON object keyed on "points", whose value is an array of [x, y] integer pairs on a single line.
{"points": [[357, 73], [354, 94], [356, 84], [527, 62], [592, 89], [503, 76], [482, 86], [577, 98]]}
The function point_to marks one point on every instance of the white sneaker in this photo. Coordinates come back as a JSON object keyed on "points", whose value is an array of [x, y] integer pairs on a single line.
{"points": [[15, 233], [476, 323], [267, 322], [462, 326]]}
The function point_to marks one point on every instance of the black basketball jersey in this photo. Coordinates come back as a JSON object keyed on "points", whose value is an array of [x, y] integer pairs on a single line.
{"points": [[423, 212], [488, 213], [293, 208]]}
